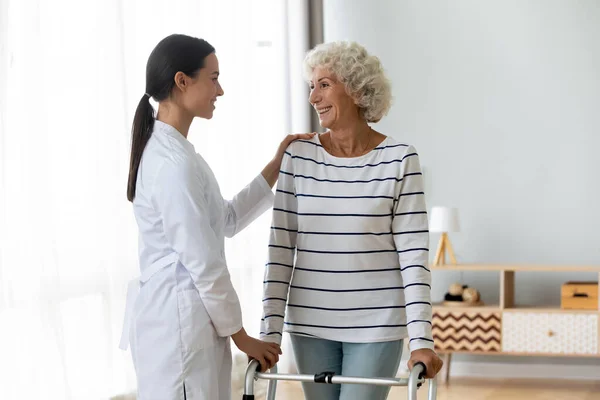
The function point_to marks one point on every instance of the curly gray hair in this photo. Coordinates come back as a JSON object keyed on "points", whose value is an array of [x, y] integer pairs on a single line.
{"points": [[361, 73]]}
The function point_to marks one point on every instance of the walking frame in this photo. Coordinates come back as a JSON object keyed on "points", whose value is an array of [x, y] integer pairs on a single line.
{"points": [[413, 382]]}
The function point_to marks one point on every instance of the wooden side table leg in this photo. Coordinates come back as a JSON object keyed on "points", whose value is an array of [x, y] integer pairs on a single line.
{"points": [[445, 372]]}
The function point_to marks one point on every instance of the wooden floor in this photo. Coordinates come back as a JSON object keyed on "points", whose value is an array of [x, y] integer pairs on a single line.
{"points": [[479, 389]]}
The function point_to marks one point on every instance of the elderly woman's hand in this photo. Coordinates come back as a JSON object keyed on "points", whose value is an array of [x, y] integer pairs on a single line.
{"points": [[271, 171], [433, 364]]}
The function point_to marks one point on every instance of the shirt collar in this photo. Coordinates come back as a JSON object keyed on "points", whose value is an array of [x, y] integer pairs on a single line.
{"points": [[174, 133]]}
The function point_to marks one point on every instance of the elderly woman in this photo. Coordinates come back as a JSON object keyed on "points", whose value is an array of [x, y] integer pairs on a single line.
{"points": [[347, 272]]}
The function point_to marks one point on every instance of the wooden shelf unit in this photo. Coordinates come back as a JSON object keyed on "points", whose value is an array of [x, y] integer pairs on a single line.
{"points": [[508, 328], [517, 267]]}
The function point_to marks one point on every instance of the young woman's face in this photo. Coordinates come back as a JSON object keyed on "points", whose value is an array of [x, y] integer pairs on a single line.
{"points": [[201, 95]]}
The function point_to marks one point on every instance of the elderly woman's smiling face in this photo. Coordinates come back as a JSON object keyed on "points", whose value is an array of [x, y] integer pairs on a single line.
{"points": [[330, 100]]}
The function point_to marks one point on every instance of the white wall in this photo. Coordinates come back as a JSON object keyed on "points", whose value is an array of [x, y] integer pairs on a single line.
{"points": [[502, 100]]}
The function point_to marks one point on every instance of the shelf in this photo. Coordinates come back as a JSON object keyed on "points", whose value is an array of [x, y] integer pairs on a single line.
{"points": [[490, 328], [496, 307], [517, 267], [543, 309], [511, 353], [491, 307]]}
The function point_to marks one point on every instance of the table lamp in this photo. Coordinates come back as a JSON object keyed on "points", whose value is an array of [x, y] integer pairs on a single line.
{"points": [[444, 220]]}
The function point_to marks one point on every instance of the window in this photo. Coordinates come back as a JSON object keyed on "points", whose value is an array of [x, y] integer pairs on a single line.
{"points": [[72, 73]]}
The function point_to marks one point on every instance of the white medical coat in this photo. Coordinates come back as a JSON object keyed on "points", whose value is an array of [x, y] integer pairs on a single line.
{"points": [[186, 307]]}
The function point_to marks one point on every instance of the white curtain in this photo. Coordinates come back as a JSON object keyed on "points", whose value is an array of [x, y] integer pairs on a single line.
{"points": [[71, 75]]}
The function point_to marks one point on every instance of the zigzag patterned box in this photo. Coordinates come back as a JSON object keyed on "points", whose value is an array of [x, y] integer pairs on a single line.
{"points": [[457, 330]]}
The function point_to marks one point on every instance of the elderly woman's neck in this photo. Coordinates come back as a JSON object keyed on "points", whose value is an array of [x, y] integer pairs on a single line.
{"points": [[351, 140]]}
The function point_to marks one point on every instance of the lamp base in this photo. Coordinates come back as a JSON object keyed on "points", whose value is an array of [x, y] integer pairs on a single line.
{"points": [[443, 246]]}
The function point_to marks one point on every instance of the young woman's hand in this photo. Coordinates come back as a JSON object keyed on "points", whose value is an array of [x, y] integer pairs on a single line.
{"points": [[267, 354], [271, 171], [287, 141]]}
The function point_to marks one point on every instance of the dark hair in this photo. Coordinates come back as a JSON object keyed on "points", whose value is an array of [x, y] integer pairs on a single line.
{"points": [[172, 54]]}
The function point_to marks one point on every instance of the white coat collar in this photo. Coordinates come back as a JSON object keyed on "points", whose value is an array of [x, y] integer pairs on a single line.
{"points": [[174, 133]]}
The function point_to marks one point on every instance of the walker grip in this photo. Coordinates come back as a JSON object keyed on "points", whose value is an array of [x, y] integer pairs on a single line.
{"points": [[423, 373]]}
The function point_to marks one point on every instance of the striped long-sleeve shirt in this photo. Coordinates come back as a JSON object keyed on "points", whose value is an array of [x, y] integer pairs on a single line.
{"points": [[348, 250]]}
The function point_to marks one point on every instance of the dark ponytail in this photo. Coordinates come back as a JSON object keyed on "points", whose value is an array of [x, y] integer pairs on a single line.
{"points": [[173, 54], [143, 122]]}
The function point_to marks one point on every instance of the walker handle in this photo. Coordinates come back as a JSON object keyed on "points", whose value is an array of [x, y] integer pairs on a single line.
{"points": [[417, 373]]}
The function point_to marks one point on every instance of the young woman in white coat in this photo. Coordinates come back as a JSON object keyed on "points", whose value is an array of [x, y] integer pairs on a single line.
{"points": [[185, 308]]}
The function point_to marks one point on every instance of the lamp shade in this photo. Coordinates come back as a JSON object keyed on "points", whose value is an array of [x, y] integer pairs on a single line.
{"points": [[444, 219]]}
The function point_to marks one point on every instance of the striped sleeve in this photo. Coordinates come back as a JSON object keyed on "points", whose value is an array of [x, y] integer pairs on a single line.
{"points": [[411, 237], [280, 259]]}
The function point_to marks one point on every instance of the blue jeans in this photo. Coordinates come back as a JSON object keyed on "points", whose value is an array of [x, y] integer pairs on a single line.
{"points": [[370, 360]]}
